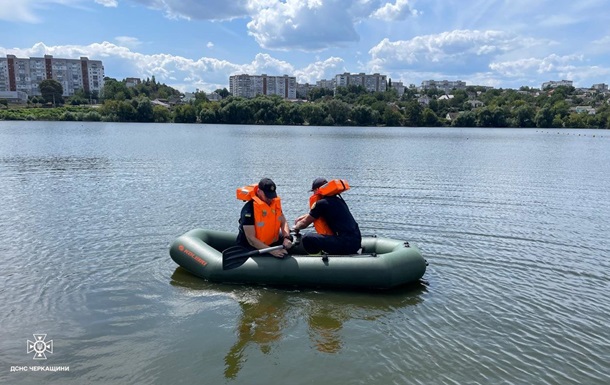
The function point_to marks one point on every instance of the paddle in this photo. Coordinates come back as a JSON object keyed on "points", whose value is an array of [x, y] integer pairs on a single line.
{"points": [[236, 256]]}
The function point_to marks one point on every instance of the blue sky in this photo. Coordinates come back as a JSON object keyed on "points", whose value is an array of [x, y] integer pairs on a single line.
{"points": [[198, 44]]}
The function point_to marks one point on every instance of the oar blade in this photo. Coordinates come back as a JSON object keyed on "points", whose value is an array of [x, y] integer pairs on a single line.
{"points": [[234, 256]]}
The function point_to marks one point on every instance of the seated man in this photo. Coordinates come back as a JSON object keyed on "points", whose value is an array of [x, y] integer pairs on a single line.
{"points": [[336, 230], [262, 223]]}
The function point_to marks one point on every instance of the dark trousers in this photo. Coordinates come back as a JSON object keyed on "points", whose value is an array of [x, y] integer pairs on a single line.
{"points": [[331, 244]]}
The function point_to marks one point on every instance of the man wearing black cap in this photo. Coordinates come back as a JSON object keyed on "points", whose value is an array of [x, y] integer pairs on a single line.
{"points": [[336, 230], [262, 223]]}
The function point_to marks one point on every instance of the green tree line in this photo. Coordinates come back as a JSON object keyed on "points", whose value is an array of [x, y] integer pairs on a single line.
{"points": [[349, 106]]}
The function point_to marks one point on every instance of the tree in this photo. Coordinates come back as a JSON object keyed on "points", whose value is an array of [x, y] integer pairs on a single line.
{"points": [[52, 91], [364, 115], [126, 112], [413, 114], [223, 93], [524, 117], [392, 116], [313, 114], [429, 118], [544, 118], [236, 111], [466, 119], [318, 93], [161, 114], [115, 90], [338, 110], [185, 114], [144, 110]]}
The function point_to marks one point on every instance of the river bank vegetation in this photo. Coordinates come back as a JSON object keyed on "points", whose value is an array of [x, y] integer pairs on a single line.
{"points": [[150, 101]]}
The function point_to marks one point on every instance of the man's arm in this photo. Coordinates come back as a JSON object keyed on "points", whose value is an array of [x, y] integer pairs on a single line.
{"points": [[285, 232], [303, 222], [256, 243]]}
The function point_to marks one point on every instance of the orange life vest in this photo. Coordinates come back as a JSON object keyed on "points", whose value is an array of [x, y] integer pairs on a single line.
{"points": [[266, 217], [334, 187]]}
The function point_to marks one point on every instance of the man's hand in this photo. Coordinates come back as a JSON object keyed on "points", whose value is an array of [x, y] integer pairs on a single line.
{"points": [[299, 218], [279, 253], [287, 244]]}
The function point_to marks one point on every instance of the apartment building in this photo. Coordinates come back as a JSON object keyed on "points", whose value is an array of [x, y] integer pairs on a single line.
{"points": [[17, 74], [249, 86], [555, 84], [326, 84], [399, 87], [371, 83], [445, 85]]}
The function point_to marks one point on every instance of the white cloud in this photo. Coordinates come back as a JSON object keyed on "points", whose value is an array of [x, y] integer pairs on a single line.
{"points": [[456, 48], [551, 67], [400, 10], [128, 41], [318, 70], [265, 64], [550, 64], [108, 3], [306, 25]]}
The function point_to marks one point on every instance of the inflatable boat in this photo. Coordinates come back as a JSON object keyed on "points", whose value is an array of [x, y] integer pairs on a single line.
{"points": [[383, 264]]}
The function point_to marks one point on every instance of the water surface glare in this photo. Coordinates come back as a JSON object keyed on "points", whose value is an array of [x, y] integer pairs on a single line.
{"points": [[513, 222]]}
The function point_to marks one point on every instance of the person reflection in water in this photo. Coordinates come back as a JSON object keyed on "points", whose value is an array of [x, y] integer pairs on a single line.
{"points": [[263, 320], [324, 329]]}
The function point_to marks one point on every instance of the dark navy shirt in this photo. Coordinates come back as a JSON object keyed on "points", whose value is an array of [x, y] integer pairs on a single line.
{"points": [[335, 212]]}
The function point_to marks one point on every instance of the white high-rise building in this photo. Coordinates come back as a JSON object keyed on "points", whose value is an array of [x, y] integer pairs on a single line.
{"points": [[248, 86], [371, 83], [25, 75], [445, 85], [555, 84]]}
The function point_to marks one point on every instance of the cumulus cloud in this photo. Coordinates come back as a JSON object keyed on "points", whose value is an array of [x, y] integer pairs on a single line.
{"points": [[529, 71], [399, 10], [128, 41], [307, 25], [458, 50], [549, 64], [265, 63], [322, 69]]}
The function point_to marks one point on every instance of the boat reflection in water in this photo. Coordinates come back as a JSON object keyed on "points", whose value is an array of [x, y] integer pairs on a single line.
{"points": [[267, 312]]}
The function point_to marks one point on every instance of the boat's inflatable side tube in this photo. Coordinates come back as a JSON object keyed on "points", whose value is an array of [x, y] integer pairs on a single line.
{"points": [[385, 263]]}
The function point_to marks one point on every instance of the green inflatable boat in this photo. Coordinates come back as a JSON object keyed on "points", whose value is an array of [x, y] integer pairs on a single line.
{"points": [[213, 255]]}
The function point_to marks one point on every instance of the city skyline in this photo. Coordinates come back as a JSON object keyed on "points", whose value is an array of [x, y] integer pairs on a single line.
{"points": [[192, 45]]}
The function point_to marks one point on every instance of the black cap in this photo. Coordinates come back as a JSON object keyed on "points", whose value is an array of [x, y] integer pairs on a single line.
{"points": [[267, 186], [317, 183]]}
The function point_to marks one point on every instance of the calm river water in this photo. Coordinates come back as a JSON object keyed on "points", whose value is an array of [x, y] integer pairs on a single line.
{"points": [[514, 223]]}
